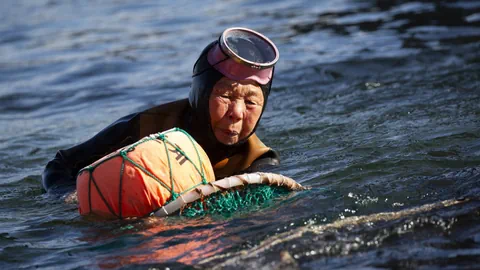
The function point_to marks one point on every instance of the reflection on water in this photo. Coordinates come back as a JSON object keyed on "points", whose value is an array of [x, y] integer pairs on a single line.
{"points": [[160, 242], [375, 105], [313, 244]]}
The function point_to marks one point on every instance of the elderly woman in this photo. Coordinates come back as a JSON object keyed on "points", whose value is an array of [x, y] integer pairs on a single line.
{"points": [[230, 86]]}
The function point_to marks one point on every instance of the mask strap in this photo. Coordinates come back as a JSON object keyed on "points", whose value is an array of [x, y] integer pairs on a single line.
{"points": [[211, 66]]}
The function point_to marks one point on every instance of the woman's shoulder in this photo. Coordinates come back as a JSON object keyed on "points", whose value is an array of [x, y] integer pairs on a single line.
{"points": [[262, 155], [172, 107], [162, 117]]}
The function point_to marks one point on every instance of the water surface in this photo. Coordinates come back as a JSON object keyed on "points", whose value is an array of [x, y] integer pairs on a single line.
{"points": [[375, 105]]}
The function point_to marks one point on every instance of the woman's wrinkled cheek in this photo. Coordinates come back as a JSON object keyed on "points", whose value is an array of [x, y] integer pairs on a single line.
{"points": [[252, 118], [218, 110], [250, 122]]}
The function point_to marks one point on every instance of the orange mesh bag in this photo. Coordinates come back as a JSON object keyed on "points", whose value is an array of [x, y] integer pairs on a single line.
{"points": [[138, 179]]}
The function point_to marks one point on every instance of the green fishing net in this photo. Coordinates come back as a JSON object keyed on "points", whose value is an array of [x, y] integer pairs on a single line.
{"points": [[237, 199]]}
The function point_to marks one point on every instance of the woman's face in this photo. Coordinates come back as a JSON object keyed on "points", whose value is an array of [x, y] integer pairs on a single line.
{"points": [[235, 108]]}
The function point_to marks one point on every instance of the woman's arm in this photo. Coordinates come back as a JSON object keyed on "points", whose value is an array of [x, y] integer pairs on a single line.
{"points": [[60, 173]]}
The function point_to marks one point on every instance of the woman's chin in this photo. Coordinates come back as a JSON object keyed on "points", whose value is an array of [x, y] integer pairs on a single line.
{"points": [[226, 139]]}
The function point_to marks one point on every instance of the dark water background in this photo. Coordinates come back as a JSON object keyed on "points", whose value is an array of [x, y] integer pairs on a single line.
{"points": [[375, 104]]}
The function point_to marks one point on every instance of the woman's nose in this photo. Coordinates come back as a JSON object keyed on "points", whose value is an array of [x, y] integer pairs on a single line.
{"points": [[237, 109]]}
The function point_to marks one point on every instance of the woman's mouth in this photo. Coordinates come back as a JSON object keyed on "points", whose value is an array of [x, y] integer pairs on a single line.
{"points": [[229, 133]]}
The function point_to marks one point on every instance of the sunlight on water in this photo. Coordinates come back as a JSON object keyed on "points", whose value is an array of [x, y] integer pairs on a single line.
{"points": [[375, 105]]}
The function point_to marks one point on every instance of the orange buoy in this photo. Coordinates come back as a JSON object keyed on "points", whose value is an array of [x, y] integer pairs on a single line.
{"points": [[140, 178]]}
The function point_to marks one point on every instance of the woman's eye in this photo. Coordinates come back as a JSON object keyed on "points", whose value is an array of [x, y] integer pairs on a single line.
{"points": [[250, 102]]}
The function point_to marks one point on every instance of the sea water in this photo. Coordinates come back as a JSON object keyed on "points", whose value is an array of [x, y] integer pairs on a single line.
{"points": [[375, 105]]}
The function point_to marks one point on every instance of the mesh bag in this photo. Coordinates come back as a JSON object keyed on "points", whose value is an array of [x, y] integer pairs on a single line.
{"points": [[230, 194], [233, 200]]}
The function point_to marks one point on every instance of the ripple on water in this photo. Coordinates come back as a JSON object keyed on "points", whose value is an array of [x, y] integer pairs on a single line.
{"points": [[374, 105]]}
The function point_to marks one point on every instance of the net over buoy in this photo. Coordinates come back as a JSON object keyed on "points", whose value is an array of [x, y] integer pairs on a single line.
{"points": [[139, 179]]}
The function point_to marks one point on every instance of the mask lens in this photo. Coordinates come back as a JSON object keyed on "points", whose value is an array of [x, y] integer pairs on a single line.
{"points": [[249, 46]]}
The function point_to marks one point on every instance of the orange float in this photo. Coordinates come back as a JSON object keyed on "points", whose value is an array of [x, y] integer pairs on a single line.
{"points": [[138, 179]]}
